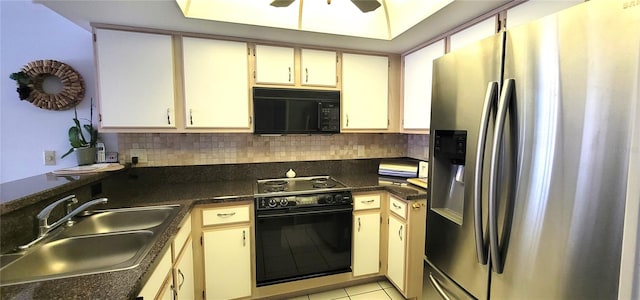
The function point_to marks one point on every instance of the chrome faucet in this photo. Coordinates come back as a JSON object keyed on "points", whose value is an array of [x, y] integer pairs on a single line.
{"points": [[43, 217]]}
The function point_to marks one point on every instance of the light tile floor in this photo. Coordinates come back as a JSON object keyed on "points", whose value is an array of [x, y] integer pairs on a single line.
{"points": [[380, 290]]}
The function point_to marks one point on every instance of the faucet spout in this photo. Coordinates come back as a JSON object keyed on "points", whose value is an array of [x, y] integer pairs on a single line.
{"points": [[43, 216], [76, 211]]}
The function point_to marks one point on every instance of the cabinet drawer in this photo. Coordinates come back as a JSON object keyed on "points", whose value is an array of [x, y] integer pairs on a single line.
{"points": [[181, 237], [398, 206], [361, 202], [225, 215]]}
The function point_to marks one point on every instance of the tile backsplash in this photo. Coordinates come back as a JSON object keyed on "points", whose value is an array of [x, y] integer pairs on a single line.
{"points": [[165, 149]]}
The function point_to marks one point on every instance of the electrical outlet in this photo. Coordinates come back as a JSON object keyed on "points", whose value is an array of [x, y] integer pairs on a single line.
{"points": [[141, 154], [49, 158]]}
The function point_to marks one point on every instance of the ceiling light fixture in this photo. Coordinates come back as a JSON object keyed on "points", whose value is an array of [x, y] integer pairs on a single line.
{"points": [[364, 5]]}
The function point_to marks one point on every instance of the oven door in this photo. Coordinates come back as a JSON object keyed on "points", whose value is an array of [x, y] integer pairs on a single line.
{"points": [[302, 243]]}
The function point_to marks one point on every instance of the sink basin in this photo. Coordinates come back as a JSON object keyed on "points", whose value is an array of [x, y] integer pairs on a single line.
{"points": [[80, 255], [117, 220], [106, 240]]}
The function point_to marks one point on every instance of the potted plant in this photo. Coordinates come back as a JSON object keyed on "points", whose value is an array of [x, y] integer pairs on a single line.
{"points": [[84, 148]]}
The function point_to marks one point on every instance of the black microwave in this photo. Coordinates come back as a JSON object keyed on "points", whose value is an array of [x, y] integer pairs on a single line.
{"points": [[295, 111]]}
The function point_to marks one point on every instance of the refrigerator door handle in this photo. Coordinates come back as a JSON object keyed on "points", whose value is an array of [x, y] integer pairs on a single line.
{"points": [[501, 116], [489, 101], [438, 287]]}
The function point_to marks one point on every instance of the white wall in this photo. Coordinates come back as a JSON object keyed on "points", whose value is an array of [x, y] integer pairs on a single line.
{"points": [[31, 32]]}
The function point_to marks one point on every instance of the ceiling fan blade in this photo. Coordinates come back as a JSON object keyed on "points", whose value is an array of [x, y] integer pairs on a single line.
{"points": [[366, 5], [281, 3]]}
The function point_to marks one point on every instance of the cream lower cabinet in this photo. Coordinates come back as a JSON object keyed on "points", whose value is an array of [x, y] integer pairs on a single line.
{"points": [[405, 248], [366, 234], [173, 278], [226, 248], [396, 259]]}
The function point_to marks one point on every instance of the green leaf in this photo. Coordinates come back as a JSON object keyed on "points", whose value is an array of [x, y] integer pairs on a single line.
{"points": [[68, 152]]}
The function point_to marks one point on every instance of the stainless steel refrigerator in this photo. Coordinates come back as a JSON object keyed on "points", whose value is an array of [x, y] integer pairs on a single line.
{"points": [[530, 142]]}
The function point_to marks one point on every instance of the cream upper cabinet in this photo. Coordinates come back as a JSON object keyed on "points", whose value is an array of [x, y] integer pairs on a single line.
{"points": [[473, 34], [417, 81], [535, 9], [274, 65], [136, 79], [216, 83], [318, 68], [365, 92]]}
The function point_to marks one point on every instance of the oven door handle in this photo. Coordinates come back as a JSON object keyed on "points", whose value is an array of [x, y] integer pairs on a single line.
{"points": [[301, 213]]}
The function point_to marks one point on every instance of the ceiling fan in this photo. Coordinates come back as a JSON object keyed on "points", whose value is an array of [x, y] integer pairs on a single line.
{"points": [[363, 5]]}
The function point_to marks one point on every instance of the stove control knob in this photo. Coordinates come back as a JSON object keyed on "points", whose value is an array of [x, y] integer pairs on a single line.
{"points": [[273, 202], [284, 202], [338, 198]]}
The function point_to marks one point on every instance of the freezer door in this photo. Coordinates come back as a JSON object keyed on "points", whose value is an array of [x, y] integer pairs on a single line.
{"points": [[460, 83], [574, 77], [438, 286]]}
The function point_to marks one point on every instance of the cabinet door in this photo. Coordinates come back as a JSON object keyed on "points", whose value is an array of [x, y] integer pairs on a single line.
{"points": [[365, 91], [167, 292], [366, 243], [473, 34], [417, 86], [227, 263], [274, 65], [318, 67], [135, 78], [156, 285], [185, 278], [397, 252], [216, 83]]}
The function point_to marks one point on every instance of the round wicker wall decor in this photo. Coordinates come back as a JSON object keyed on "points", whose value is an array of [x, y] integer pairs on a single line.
{"points": [[73, 88]]}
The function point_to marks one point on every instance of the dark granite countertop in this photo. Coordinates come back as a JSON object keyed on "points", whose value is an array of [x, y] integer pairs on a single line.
{"points": [[128, 190]]}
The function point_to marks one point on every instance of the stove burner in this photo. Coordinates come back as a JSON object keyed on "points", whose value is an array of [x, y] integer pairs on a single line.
{"points": [[275, 182], [322, 183]]}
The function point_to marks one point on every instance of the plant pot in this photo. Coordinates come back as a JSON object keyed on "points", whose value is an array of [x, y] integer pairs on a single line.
{"points": [[85, 156]]}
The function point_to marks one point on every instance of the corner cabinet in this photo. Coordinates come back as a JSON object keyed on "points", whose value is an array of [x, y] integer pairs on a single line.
{"points": [[366, 234], [226, 251], [135, 78], [365, 92], [417, 69], [174, 276], [216, 83], [405, 250]]}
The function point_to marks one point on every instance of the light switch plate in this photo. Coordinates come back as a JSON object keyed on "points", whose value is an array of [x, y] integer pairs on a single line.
{"points": [[49, 158], [423, 169]]}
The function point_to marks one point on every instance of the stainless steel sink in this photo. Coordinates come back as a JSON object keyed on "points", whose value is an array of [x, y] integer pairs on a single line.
{"points": [[84, 255], [117, 220], [107, 240]]}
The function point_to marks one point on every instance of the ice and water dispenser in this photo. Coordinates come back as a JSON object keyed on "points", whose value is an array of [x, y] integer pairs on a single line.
{"points": [[449, 151]]}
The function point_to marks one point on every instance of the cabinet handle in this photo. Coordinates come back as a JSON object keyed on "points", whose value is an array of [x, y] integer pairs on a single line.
{"points": [[221, 215], [366, 201], [244, 238], [358, 224], [181, 276], [347, 121], [400, 232], [191, 116], [289, 74], [168, 116], [306, 70], [396, 206]]}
